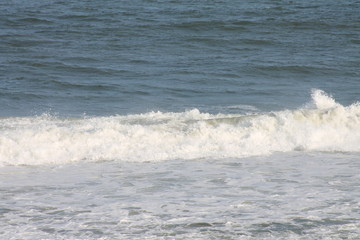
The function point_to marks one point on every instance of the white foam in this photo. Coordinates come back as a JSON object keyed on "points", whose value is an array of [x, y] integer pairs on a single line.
{"points": [[157, 136], [322, 100]]}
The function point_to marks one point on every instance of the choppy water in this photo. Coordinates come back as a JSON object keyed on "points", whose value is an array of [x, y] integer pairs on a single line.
{"points": [[179, 119]]}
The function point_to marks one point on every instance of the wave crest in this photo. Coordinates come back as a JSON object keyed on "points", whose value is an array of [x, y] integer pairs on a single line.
{"points": [[158, 136], [321, 100]]}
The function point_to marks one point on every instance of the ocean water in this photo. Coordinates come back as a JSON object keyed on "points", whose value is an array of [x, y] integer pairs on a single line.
{"points": [[151, 119]]}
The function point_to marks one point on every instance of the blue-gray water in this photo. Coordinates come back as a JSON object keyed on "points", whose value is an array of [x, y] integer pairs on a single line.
{"points": [[151, 119], [109, 57]]}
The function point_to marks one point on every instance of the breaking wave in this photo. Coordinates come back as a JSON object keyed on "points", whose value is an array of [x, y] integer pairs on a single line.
{"points": [[322, 125]]}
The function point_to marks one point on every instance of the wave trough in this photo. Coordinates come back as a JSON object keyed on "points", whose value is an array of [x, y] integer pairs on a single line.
{"points": [[322, 125]]}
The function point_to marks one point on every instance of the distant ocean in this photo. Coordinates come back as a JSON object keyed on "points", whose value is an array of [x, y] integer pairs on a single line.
{"points": [[152, 119]]}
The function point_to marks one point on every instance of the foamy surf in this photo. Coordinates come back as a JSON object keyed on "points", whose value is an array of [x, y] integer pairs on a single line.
{"points": [[323, 125]]}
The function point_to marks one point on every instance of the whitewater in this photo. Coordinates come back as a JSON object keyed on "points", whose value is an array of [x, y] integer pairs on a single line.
{"points": [[288, 174], [322, 125]]}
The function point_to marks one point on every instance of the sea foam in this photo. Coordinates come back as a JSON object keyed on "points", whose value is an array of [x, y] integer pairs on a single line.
{"points": [[323, 125]]}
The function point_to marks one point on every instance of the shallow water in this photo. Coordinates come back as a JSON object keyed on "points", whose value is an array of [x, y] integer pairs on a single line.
{"points": [[285, 196]]}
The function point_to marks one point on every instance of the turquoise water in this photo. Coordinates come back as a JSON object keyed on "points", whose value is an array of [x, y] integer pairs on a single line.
{"points": [[179, 119]]}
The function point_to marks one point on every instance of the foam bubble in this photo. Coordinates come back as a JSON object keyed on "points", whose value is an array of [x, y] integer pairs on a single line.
{"points": [[158, 136]]}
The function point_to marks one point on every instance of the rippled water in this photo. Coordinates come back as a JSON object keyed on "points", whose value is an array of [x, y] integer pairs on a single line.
{"points": [[74, 57], [179, 119]]}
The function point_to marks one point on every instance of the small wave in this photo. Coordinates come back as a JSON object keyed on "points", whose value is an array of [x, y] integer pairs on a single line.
{"points": [[244, 107], [34, 20], [214, 24], [322, 125], [298, 69]]}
